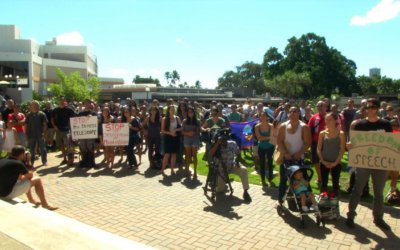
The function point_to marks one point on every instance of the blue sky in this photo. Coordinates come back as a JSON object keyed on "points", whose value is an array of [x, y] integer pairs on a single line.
{"points": [[202, 39]]}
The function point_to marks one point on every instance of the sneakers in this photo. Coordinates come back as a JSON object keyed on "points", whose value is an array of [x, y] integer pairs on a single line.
{"points": [[246, 196], [350, 222], [382, 224], [305, 209]]}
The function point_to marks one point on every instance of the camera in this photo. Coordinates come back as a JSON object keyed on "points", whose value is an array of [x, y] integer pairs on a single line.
{"points": [[220, 134]]}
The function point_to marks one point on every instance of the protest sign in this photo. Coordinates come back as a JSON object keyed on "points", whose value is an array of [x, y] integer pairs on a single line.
{"points": [[115, 134], [84, 127], [377, 150]]}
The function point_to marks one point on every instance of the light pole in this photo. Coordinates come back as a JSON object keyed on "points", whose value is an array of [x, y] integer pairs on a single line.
{"points": [[147, 89]]}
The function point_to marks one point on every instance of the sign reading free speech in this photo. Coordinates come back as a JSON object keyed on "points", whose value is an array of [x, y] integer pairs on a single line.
{"points": [[377, 150]]}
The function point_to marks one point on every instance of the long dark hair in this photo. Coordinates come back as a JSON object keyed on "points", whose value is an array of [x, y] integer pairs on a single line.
{"points": [[157, 118], [193, 120], [167, 118], [185, 107], [123, 117]]}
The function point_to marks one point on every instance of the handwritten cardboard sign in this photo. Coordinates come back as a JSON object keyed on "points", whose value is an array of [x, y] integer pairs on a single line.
{"points": [[84, 127], [115, 134], [377, 150]]}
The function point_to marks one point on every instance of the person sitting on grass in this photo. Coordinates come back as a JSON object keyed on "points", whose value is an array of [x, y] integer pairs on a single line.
{"points": [[301, 189], [16, 179]]}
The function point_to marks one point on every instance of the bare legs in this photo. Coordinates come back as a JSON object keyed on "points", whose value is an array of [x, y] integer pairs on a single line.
{"points": [[39, 190], [166, 158], [109, 155], [191, 154]]}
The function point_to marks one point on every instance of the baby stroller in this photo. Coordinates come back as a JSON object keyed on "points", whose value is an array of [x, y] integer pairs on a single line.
{"points": [[293, 202]]}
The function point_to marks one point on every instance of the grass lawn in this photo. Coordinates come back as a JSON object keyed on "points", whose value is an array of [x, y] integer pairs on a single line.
{"points": [[254, 178]]}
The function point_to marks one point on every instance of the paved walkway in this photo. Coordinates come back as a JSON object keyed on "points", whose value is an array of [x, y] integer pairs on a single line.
{"points": [[173, 213]]}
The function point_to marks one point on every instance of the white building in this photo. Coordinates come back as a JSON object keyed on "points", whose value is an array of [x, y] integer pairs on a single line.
{"points": [[374, 72], [26, 65]]}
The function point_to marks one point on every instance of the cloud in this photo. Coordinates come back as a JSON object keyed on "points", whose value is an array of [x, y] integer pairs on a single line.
{"points": [[385, 10], [179, 40], [70, 38]]}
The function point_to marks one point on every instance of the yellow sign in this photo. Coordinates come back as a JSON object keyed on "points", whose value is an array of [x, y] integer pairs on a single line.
{"points": [[373, 149]]}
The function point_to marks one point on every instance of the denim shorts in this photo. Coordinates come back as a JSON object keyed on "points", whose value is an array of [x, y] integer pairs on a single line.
{"points": [[193, 141]]}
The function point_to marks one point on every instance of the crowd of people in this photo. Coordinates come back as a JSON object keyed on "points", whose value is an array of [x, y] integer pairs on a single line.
{"points": [[172, 135]]}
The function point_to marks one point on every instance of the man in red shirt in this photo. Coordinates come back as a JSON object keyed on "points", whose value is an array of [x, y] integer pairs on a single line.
{"points": [[317, 124], [18, 121]]}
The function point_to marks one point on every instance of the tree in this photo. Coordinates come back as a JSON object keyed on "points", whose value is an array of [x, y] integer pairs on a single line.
{"points": [[272, 63], [378, 85], [367, 85], [172, 78], [139, 79], [75, 87], [197, 85], [289, 84], [248, 75], [327, 68]]}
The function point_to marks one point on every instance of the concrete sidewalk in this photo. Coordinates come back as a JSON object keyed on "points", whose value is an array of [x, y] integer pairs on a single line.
{"points": [[173, 213], [26, 227]]}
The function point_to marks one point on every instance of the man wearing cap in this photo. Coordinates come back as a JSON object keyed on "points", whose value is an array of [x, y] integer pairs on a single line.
{"points": [[371, 123]]}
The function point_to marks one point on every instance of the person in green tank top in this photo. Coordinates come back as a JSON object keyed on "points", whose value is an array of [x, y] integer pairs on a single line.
{"points": [[235, 116], [264, 133]]}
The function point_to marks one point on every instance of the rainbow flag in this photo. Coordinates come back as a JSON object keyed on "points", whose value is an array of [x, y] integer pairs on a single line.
{"points": [[242, 133]]}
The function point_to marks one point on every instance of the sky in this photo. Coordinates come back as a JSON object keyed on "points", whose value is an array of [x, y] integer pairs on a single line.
{"points": [[202, 39]]}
